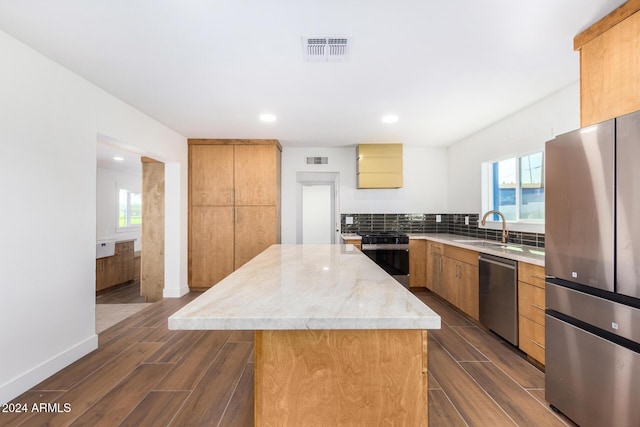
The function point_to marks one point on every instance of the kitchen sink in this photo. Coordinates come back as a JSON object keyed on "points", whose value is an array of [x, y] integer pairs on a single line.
{"points": [[504, 247], [105, 248], [487, 243], [511, 247]]}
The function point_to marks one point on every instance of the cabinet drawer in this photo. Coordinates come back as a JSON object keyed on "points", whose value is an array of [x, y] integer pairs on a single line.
{"points": [[463, 255], [531, 302], [531, 273], [531, 338], [435, 247]]}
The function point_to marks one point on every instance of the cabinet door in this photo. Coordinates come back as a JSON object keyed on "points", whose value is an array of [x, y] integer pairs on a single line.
{"points": [[532, 339], [211, 245], [531, 302], [609, 68], [255, 175], [211, 174], [255, 231], [434, 265], [428, 273], [468, 290], [100, 276], [417, 263], [111, 269], [128, 262], [452, 273], [438, 277], [532, 274]]}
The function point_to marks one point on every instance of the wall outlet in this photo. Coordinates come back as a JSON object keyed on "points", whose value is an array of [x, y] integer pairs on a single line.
{"points": [[348, 220], [466, 220], [438, 218]]}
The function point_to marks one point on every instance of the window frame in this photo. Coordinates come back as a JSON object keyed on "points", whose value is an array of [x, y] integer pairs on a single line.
{"points": [[487, 192], [128, 227]]}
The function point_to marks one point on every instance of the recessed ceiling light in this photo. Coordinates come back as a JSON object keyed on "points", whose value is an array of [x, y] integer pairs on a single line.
{"points": [[267, 118], [118, 159], [390, 118]]}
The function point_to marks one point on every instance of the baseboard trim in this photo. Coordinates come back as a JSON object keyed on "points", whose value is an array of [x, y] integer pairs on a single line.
{"points": [[175, 293], [14, 388]]}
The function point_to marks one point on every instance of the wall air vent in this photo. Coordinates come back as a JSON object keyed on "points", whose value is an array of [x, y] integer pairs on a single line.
{"points": [[317, 160], [326, 48]]}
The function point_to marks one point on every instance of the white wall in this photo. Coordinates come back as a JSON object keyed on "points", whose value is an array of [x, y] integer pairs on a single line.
{"points": [[49, 124], [108, 183], [524, 131], [424, 190]]}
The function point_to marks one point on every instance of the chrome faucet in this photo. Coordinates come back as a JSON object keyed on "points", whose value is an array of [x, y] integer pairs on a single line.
{"points": [[505, 233]]}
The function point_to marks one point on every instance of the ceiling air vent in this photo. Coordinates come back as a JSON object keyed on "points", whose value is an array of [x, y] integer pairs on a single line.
{"points": [[325, 48]]}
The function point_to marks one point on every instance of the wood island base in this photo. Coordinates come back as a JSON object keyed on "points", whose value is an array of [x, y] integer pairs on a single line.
{"points": [[341, 377]]}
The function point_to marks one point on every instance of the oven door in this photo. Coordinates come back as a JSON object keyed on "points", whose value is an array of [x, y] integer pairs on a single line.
{"points": [[392, 258]]}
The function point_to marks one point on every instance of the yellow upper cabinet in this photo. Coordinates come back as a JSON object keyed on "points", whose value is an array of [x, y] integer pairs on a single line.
{"points": [[379, 165]]}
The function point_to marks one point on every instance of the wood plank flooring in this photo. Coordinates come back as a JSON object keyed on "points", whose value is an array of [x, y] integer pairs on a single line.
{"points": [[126, 293], [142, 374]]}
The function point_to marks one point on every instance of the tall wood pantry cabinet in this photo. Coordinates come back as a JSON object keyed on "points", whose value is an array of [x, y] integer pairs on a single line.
{"points": [[234, 205]]}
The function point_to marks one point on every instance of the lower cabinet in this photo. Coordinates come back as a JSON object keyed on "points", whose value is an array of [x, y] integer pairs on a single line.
{"points": [[531, 338], [116, 269], [531, 306], [417, 263], [453, 274], [465, 280]]}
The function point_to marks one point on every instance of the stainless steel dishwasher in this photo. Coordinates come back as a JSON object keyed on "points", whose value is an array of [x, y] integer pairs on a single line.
{"points": [[499, 295]]}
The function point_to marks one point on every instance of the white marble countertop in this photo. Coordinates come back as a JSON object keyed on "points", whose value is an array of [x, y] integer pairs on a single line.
{"points": [[524, 253], [289, 287]]}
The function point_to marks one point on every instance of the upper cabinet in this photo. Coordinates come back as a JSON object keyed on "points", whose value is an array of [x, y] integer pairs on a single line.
{"points": [[234, 205], [379, 165], [610, 65], [211, 173]]}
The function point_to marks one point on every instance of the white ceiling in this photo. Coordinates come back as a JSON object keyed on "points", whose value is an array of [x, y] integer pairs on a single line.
{"points": [[106, 153], [207, 69]]}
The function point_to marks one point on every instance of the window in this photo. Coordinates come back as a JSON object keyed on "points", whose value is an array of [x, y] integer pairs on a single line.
{"points": [[515, 187], [129, 208]]}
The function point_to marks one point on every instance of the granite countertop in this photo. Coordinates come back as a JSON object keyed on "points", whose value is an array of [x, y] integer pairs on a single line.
{"points": [[289, 287], [524, 253]]}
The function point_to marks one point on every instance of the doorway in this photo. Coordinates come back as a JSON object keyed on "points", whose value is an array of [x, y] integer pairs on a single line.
{"points": [[318, 212], [122, 182]]}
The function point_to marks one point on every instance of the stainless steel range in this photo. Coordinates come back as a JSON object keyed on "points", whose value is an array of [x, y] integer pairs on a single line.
{"points": [[390, 250]]}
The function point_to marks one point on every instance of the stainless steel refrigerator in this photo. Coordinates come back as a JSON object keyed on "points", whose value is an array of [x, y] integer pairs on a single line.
{"points": [[592, 264]]}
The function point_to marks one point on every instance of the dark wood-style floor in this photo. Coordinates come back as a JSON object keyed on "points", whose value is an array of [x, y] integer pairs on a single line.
{"points": [[128, 293], [142, 374]]}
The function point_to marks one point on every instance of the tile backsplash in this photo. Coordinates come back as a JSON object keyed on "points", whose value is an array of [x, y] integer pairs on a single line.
{"points": [[426, 223]]}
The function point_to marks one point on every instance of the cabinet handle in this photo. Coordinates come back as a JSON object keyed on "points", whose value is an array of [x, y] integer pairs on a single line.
{"points": [[440, 263], [537, 306], [538, 277], [538, 344]]}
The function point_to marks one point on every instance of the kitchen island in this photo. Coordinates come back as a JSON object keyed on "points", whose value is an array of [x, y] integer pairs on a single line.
{"points": [[337, 340]]}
